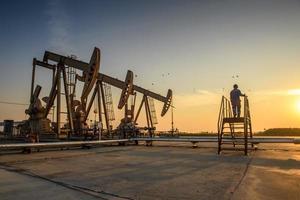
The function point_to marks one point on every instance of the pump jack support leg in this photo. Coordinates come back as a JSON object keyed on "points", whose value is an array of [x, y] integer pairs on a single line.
{"points": [[91, 103], [70, 115], [58, 108], [104, 108], [139, 110]]}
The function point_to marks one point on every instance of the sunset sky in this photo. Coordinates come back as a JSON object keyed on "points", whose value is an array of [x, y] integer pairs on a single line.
{"points": [[199, 49]]}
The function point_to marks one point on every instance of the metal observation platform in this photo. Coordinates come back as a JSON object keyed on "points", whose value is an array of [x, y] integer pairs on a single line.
{"points": [[234, 126]]}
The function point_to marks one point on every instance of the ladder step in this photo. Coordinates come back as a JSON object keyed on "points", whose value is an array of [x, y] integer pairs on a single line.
{"points": [[233, 127], [233, 132]]}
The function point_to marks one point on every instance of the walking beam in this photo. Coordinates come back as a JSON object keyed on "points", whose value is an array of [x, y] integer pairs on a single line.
{"points": [[126, 86]]}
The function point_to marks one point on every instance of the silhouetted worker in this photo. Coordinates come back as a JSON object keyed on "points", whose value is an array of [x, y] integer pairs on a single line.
{"points": [[235, 100]]}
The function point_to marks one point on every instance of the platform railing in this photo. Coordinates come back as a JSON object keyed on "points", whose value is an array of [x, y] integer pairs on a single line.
{"points": [[225, 112], [247, 124], [246, 108]]}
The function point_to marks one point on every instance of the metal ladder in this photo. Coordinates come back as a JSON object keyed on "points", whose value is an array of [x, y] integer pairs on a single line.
{"points": [[152, 110], [234, 130], [71, 80], [109, 103], [71, 86]]}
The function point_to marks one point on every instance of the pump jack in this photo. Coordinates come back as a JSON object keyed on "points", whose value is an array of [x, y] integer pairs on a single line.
{"points": [[78, 111]]}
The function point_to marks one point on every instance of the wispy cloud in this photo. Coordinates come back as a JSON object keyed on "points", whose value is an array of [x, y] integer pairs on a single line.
{"points": [[277, 92], [198, 98], [293, 92], [59, 26], [205, 97]]}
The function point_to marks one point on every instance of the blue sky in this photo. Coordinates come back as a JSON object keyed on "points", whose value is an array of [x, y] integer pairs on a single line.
{"points": [[192, 47]]}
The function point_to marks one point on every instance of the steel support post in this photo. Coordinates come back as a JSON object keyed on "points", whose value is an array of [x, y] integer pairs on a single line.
{"points": [[104, 108], [32, 79], [139, 110], [58, 102], [91, 103], [245, 126]]}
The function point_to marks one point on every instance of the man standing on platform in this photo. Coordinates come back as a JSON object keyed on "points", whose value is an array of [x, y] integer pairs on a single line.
{"points": [[235, 100]]}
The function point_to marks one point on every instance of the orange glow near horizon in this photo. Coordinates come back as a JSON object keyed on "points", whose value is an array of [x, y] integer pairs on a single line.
{"points": [[298, 105], [198, 112]]}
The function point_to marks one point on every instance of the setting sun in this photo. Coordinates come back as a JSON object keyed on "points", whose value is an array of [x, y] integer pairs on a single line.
{"points": [[298, 106]]}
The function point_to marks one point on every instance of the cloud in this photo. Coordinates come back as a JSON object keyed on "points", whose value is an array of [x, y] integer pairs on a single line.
{"points": [[203, 92], [287, 92], [59, 25], [270, 92], [204, 97], [198, 98], [293, 92]]}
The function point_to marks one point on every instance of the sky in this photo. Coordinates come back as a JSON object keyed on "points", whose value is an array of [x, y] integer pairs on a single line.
{"points": [[199, 49]]}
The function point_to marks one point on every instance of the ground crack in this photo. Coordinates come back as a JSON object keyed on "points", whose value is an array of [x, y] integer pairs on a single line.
{"points": [[243, 176], [82, 189]]}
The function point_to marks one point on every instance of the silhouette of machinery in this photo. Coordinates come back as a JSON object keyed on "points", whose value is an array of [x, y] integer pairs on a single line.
{"points": [[68, 72]]}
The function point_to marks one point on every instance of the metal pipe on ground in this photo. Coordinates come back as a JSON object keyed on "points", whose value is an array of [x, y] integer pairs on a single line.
{"points": [[215, 139], [145, 139], [58, 144]]}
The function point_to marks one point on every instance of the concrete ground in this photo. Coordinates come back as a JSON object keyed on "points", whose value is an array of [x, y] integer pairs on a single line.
{"points": [[163, 171]]}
